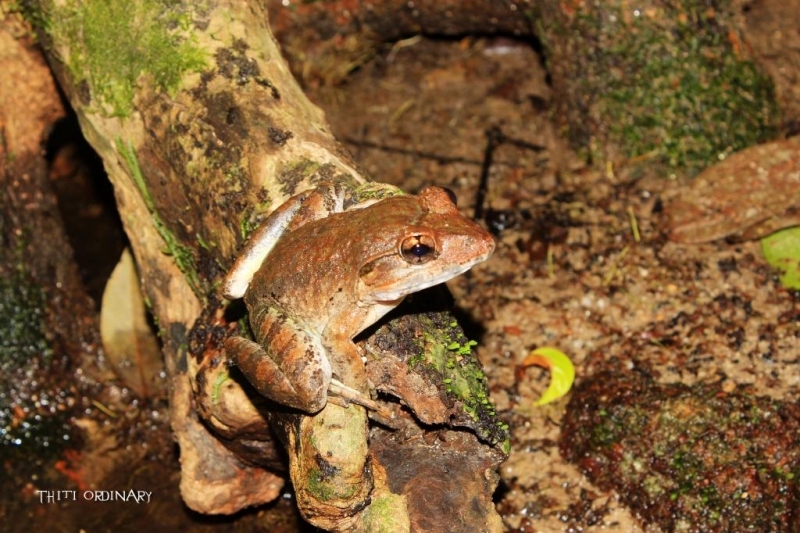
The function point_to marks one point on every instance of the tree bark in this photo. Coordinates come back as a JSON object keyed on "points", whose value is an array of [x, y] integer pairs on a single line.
{"points": [[203, 131]]}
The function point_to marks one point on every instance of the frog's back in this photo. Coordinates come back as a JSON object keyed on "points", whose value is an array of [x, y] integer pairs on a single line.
{"points": [[315, 268]]}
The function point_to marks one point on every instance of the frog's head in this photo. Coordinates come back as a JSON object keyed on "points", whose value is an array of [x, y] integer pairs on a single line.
{"points": [[428, 244]]}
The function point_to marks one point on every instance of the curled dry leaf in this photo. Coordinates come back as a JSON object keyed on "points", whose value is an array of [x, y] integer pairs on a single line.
{"points": [[130, 344]]}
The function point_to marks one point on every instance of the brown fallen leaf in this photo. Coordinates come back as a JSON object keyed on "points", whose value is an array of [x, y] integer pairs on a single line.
{"points": [[749, 195], [130, 344]]}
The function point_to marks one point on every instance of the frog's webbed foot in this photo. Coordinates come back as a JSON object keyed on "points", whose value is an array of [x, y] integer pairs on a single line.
{"points": [[343, 396], [347, 365]]}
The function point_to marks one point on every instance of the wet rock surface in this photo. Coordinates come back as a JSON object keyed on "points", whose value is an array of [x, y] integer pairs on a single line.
{"points": [[688, 458]]}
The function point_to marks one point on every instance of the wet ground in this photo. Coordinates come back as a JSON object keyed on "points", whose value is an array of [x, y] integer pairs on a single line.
{"points": [[583, 263]]}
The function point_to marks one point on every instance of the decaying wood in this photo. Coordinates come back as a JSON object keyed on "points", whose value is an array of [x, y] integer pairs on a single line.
{"points": [[206, 137], [327, 40]]}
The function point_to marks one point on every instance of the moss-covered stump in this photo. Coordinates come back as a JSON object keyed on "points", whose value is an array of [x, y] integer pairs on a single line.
{"points": [[427, 361], [669, 81], [688, 458]]}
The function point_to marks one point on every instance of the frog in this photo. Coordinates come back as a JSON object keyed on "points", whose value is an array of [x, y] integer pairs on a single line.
{"points": [[319, 271]]}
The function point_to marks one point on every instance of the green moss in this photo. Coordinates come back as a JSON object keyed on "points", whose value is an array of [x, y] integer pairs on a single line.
{"points": [[689, 99], [247, 225], [222, 377], [182, 255], [382, 507], [113, 43], [251, 221], [506, 446], [202, 242], [234, 173], [319, 486], [326, 488], [673, 86], [386, 514], [720, 461], [375, 191], [295, 173], [446, 352], [30, 11]]}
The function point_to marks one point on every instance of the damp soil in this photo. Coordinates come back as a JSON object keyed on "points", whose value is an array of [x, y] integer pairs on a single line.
{"points": [[583, 264]]}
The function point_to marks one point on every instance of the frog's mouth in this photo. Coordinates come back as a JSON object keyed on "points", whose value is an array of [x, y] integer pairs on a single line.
{"points": [[417, 281]]}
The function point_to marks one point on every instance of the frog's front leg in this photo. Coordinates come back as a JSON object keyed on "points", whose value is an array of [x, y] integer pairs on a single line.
{"points": [[297, 211], [290, 369]]}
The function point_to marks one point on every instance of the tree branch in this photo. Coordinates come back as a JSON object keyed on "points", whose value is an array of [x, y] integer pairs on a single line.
{"points": [[203, 131]]}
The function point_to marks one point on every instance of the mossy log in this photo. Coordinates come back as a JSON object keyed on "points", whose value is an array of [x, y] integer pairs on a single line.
{"points": [[203, 131]]}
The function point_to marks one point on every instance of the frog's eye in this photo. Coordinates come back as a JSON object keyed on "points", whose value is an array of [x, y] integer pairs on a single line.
{"points": [[418, 249]]}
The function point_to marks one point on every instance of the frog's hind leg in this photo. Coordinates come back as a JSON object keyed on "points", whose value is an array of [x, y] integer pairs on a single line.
{"points": [[292, 371]]}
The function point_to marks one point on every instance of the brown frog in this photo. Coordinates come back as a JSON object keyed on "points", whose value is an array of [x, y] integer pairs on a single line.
{"points": [[315, 275]]}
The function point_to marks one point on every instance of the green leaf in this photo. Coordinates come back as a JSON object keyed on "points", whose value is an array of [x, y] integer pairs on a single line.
{"points": [[782, 251]]}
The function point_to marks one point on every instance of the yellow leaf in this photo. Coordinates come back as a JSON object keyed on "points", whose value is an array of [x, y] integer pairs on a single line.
{"points": [[130, 344], [562, 372]]}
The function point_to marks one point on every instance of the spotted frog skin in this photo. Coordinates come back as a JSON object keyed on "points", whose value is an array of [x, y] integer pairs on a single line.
{"points": [[315, 275]]}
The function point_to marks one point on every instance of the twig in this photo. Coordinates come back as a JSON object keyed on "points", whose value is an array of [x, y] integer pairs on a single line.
{"points": [[634, 224]]}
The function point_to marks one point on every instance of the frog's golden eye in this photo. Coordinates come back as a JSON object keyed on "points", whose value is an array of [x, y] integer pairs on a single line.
{"points": [[418, 249]]}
